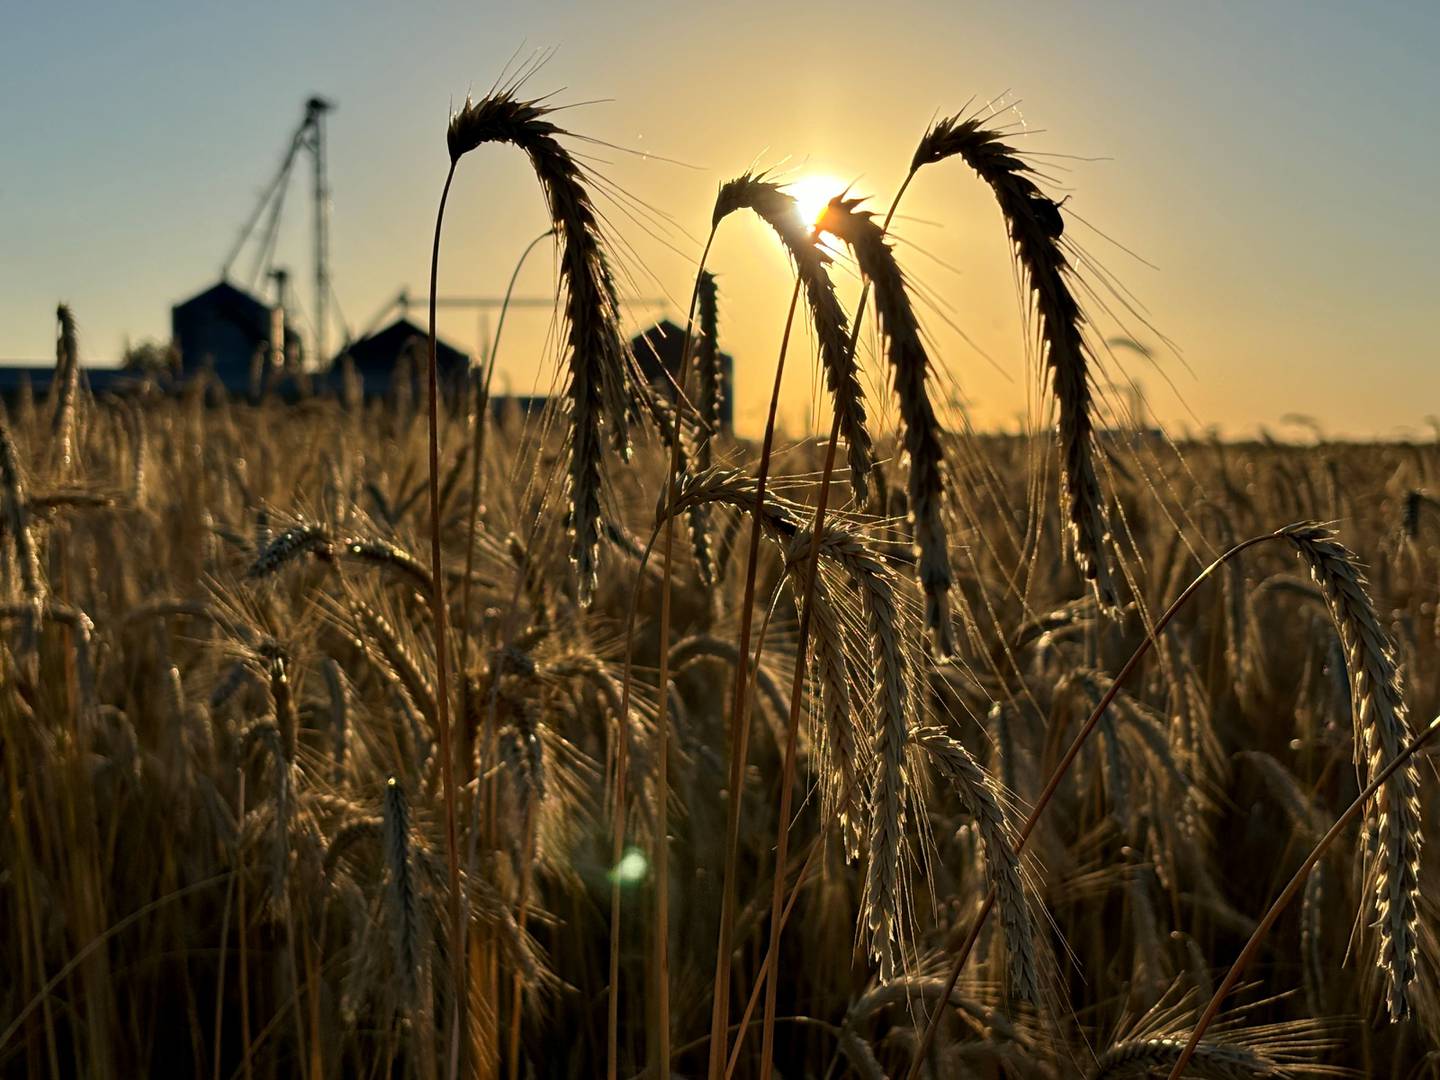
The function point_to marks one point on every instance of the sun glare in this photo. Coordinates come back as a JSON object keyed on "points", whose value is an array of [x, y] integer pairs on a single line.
{"points": [[813, 193]]}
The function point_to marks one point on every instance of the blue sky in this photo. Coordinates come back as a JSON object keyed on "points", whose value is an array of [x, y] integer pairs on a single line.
{"points": [[1275, 161]]}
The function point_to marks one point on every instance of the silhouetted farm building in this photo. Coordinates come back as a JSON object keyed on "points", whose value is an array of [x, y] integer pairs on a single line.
{"points": [[658, 350], [230, 335], [398, 352], [17, 380], [241, 339]]}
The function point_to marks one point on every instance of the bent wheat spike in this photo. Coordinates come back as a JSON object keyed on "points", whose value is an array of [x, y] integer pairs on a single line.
{"points": [[1031, 218], [920, 428], [778, 210], [597, 358], [1393, 834]]}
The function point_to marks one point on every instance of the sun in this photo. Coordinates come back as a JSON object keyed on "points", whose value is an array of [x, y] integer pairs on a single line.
{"points": [[813, 193]]}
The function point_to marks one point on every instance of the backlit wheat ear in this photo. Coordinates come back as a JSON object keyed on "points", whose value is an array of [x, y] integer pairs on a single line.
{"points": [[67, 386], [597, 357], [883, 900], [135, 426], [707, 404], [377, 551], [921, 432], [1239, 1049], [894, 705], [978, 794], [1140, 1058], [1035, 226], [294, 543], [779, 211], [711, 394], [17, 525], [1393, 833]]}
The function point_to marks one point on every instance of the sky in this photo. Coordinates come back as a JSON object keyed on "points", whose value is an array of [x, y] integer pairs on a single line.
{"points": [[1257, 178]]}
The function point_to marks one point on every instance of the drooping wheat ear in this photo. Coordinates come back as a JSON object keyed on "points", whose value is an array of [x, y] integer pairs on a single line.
{"points": [[401, 905], [294, 542], [17, 524], [598, 358], [377, 551], [67, 385], [788, 525], [921, 434], [1304, 815], [399, 663], [1035, 227], [883, 899], [1392, 829], [778, 210], [356, 829], [1139, 1058], [980, 797]]}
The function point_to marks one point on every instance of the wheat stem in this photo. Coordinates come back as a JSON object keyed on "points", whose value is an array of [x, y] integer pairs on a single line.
{"points": [[482, 416], [441, 617], [740, 727]]}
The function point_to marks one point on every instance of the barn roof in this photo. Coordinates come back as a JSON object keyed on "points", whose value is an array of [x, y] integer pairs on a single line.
{"points": [[659, 344], [379, 351], [227, 298]]}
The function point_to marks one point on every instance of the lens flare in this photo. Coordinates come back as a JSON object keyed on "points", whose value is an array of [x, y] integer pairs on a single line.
{"points": [[632, 868]]}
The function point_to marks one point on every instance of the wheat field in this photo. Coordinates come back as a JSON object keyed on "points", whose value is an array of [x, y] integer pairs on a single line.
{"points": [[402, 737]]}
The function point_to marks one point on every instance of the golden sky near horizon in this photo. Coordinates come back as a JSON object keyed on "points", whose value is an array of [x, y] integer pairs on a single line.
{"points": [[1270, 165]]}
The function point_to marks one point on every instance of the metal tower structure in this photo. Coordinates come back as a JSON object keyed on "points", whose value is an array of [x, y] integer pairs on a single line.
{"points": [[308, 137], [315, 110]]}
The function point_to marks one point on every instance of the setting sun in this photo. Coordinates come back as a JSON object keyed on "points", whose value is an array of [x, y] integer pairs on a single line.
{"points": [[813, 193]]}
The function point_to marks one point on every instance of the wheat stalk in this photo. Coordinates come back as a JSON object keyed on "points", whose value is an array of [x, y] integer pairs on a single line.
{"points": [[66, 390]]}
